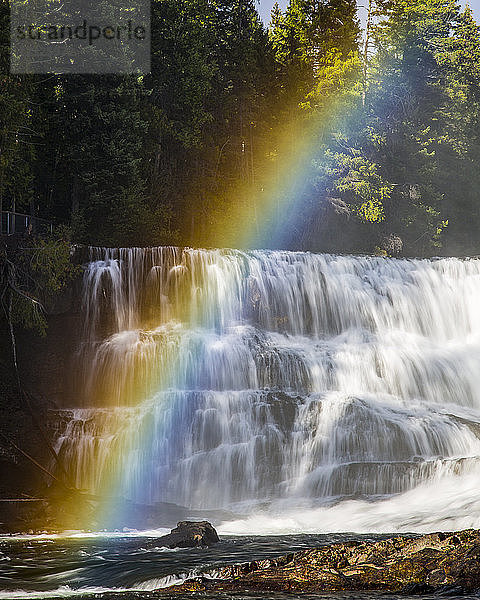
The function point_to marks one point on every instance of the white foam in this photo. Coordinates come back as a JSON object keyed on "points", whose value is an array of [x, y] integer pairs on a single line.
{"points": [[61, 592], [450, 504], [87, 535]]}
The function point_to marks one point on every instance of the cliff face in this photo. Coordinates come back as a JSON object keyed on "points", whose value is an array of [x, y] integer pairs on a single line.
{"points": [[47, 363], [45, 367], [435, 562], [19, 478]]}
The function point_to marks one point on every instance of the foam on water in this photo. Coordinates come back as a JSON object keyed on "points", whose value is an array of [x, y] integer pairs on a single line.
{"points": [[447, 504], [85, 535], [63, 591]]}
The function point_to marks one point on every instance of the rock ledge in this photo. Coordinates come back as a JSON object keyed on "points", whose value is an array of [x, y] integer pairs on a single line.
{"points": [[438, 562]]}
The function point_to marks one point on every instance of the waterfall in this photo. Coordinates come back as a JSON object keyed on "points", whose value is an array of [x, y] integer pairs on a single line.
{"points": [[248, 380]]}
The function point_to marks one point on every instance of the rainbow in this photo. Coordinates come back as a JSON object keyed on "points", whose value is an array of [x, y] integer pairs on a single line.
{"points": [[268, 215], [266, 218]]}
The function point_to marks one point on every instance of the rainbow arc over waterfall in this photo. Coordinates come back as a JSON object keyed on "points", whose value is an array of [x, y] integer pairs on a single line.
{"points": [[300, 391]]}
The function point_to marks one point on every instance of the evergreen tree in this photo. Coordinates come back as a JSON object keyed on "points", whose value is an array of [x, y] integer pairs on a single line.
{"points": [[393, 136], [19, 139]]}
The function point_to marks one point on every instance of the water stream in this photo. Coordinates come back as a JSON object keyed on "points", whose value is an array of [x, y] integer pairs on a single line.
{"points": [[297, 393]]}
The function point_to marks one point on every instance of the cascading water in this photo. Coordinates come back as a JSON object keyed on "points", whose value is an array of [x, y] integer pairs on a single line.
{"points": [[287, 381]]}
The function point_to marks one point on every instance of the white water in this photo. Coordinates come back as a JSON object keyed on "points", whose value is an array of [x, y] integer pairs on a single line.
{"points": [[308, 392]]}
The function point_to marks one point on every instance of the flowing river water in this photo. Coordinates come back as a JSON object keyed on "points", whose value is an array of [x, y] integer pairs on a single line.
{"points": [[299, 395]]}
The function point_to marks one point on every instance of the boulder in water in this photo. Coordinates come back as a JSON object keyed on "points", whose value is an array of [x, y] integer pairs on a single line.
{"points": [[188, 534]]}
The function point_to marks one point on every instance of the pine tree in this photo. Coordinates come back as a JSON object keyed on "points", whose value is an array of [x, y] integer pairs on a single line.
{"points": [[19, 140]]}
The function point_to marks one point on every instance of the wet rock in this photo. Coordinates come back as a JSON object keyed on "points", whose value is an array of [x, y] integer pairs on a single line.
{"points": [[417, 589], [449, 591], [443, 564], [188, 534]]}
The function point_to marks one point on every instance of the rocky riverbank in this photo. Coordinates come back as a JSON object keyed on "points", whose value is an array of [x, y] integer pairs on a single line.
{"points": [[448, 563]]}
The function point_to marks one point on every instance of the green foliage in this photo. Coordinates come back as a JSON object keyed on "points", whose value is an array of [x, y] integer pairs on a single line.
{"points": [[18, 137], [38, 270], [358, 182], [403, 159], [393, 137]]}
